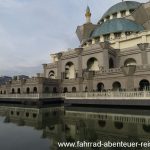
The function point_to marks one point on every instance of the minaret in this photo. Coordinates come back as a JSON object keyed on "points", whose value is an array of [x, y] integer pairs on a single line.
{"points": [[88, 15], [84, 31]]}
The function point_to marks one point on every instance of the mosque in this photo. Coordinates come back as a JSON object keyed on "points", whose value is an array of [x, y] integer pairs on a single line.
{"points": [[114, 54]]}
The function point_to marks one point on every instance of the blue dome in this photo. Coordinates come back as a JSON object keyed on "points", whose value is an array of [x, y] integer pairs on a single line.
{"points": [[126, 5], [117, 25]]}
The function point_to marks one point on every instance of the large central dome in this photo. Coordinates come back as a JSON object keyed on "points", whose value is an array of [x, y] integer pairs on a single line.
{"points": [[122, 6], [117, 25]]}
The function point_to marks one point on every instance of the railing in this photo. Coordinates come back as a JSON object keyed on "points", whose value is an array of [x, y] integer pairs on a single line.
{"points": [[142, 67], [84, 95], [109, 95], [113, 70], [20, 96], [33, 96], [119, 70]]}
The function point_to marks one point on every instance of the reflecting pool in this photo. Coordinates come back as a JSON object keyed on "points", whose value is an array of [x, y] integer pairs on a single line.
{"points": [[31, 128]]}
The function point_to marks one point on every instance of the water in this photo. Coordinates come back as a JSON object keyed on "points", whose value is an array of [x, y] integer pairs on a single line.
{"points": [[42, 128]]}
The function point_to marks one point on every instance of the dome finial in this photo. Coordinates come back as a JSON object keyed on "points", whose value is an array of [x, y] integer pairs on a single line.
{"points": [[88, 15]]}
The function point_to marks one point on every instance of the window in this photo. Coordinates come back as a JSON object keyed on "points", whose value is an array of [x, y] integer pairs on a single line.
{"points": [[65, 90], [130, 62], [74, 89], [34, 115], [18, 90], [46, 89], [54, 90], [123, 13], [128, 33], [35, 90], [111, 63], [100, 87], [92, 64], [13, 91], [28, 90], [115, 15], [131, 11], [144, 84], [107, 37], [69, 71], [116, 86], [117, 35], [108, 17], [27, 114], [52, 74]]}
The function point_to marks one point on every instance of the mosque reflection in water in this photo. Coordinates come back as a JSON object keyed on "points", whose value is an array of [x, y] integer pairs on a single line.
{"points": [[59, 123]]}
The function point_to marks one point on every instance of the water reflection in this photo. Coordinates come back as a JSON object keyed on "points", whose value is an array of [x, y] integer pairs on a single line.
{"points": [[57, 124]]}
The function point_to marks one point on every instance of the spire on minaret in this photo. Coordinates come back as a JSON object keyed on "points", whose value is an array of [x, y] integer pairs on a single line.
{"points": [[88, 15]]}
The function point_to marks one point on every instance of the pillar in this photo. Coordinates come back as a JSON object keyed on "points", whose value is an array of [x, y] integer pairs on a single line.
{"points": [[79, 53], [105, 59], [119, 15], [144, 57], [59, 67], [44, 68]]}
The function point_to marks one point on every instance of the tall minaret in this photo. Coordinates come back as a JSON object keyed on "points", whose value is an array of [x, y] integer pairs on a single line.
{"points": [[84, 31], [88, 15]]}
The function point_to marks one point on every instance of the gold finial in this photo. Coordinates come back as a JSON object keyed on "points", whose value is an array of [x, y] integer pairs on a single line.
{"points": [[88, 15]]}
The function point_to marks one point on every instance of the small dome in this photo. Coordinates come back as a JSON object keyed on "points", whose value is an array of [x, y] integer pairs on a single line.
{"points": [[117, 25], [126, 5]]}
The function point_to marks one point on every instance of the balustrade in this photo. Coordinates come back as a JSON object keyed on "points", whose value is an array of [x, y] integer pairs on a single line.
{"points": [[83, 95]]}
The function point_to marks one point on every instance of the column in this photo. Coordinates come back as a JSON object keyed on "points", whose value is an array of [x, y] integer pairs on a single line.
{"points": [[101, 38], [144, 57], [105, 58], [119, 15], [59, 69], [93, 41], [117, 64], [79, 53], [44, 69], [127, 13], [130, 82], [117, 45], [112, 36], [111, 17]]}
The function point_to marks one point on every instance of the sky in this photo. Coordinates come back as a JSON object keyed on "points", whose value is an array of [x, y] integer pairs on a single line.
{"points": [[31, 30]]}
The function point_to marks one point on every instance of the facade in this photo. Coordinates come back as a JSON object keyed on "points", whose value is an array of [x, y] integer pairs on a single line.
{"points": [[114, 54]]}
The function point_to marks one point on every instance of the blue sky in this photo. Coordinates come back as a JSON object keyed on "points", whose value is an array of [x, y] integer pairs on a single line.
{"points": [[32, 29]]}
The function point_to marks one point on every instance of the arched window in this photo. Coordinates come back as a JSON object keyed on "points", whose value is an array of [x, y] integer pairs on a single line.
{"points": [[144, 84], [146, 128], [18, 90], [69, 71], [74, 89], [54, 90], [102, 123], [111, 63], [86, 89], [52, 74], [116, 86], [35, 90], [92, 64], [13, 91], [65, 89], [4, 91], [28, 90], [46, 89], [118, 125], [100, 87], [130, 62], [1, 92]]}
